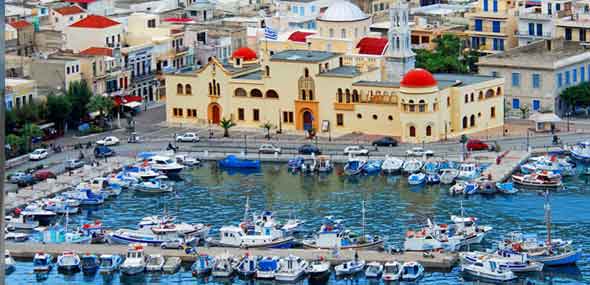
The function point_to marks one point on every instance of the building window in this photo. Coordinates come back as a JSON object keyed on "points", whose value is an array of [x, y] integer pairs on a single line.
{"points": [[306, 72], [582, 74], [485, 5], [339, 119], [255, 115], [536, 80], [188, 90], [240, 114], [472, 97], [412, 131], [191, 113], [177, 112], [496, 26], [240, 92], [582, 35], [267, 69], [255, 93], [421, 106], [515, 79], [375, 117], [272, 94], [465, 122], [359, 116], [448, 101], [472, 121], [343, 33], [310, 95], [495, 5], [575, 75], [493, 112], [412, 106], [531, 29], [466, 98], [151, 23], [559, 80], [428, 131], [536, 105], [287, 117], [68, 70], [179, 89], [515, 103], [478, 25], [567, 78], [568, 34]]}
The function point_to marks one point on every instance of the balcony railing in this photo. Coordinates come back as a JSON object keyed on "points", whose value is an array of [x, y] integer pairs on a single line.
{"points": [[527, 35]]}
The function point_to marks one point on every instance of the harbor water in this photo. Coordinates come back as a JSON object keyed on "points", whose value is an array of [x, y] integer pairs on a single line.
{"points": [[208, 194]]}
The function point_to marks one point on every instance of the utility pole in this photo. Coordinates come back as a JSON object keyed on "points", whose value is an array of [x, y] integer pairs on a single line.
{"points": [[2, 138]]}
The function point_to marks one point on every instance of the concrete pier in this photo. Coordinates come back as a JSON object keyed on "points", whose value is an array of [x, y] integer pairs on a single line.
{"points": [[62, 183], [508, 164], [439, 262]]}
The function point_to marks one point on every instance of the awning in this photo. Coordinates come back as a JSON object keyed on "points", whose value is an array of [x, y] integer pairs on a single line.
{"points": [[133, 104], [545, 118]]}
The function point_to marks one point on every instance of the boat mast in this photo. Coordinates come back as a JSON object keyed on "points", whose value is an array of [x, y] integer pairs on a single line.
{"points": [[247, 209], [548, 217], [363, 216]]}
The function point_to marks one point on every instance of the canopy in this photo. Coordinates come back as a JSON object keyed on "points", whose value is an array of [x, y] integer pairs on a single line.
{"points": [[133, 104], [545, 121]]}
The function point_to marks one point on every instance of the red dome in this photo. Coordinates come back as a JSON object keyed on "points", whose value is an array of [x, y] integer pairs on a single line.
{"points": [[244, 53], [418, 78]]}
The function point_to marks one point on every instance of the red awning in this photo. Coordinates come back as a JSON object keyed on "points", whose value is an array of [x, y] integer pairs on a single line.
{"points": [[119, 100], [299, 36]]}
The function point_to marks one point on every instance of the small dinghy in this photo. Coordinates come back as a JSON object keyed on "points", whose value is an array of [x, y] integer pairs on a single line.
{"points": [[506, 187], [350, 267], [417, 178], [68, 262], [431, 167], [458, 188], [372, 166], [172, 265], [392, 164], [432, 179], [90, 263], [354, 166], [224, 266], [318, 269], [448, 175], [155, 263], [232, 161], [295, 163], [203, 265], [109, 263], [323, 164], [412, 166], [488, 269], [152, 186], [470, 188], [486, 186], [374, 270], [412, 271], [392, 271]]}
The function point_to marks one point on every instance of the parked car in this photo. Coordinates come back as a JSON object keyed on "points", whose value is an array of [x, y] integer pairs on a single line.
{"points": [[356, 150], [134, 138], [25, 180], [269, 148], [474, 144], [178, 244], [188, 137], [43, 174], [385, 141], [419, 151], [72, 164], [309, 149], [110, 140], [102, 151], [39, 154], [14, 177]]}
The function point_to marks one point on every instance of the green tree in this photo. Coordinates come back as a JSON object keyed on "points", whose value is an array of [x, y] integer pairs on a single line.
{"points": [[59, 108], [101, 104], [79, 95], [28, 132], [226, 124], [267, 126], [447, 57], [578, 95], [10, 122], [524, 110], [16, 144]]}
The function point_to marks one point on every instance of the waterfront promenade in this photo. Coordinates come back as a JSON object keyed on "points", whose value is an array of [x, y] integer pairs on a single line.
{"points": [[438, 262]]}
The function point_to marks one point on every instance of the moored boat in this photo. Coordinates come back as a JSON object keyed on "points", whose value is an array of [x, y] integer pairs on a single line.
{"points": [[89, 263], [203, 265], [354, 165], [539, 180], [432, 178], [232, 161], [417, 178], [152, 186], [267, 267], [135, 262], [247, 266], [448, 175], [392, 164], [470, 188], [412, 166], [42, 262], [392, 271], [412, 271], [109, 263], [350, 267], [172, 264], [318, 268], [488, 269], [332, 234], [373, 270], [467, 171], [9, 264], [505, 258], [506, 187], [224, 266], [155, 263], [291, 268], [68, 261]]}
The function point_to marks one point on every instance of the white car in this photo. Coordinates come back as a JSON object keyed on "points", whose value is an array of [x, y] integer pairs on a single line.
{"points": [[38, 154], [110, 140], [419, 151], [356, 150], [188, 137], [269, 148]]}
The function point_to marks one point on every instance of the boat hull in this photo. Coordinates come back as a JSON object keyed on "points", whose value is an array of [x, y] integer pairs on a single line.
{"points": [[492, 277], [557, 260], [373, 245], [132, 270], [280, 243]]}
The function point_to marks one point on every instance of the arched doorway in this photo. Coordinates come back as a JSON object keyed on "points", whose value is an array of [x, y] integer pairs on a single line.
{"points": [[307, 120], [214, 113]]}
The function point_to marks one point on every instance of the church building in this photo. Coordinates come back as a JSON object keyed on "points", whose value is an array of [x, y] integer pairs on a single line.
{"points": [[337, 81]]}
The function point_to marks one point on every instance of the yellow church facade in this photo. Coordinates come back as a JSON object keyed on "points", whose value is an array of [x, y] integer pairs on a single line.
{"points": [[305, 90]]}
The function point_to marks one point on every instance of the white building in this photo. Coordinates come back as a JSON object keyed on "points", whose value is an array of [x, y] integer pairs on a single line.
{"points": [[60, 18], [538, 22]]}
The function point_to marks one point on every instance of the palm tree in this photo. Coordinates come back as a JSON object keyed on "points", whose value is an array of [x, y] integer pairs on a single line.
{"points": [[226, 124], [268, 126]]}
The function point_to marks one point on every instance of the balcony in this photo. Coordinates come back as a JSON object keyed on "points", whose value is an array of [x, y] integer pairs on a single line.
{"points": [[343, 106], [527, 35], [142, 77], [181, 50]]}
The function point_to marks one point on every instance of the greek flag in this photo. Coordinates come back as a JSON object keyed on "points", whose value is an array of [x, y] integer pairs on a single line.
{"points": [[270, 34]]}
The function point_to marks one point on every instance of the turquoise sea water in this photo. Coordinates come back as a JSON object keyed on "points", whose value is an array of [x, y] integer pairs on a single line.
{"points": [[210, 195]]}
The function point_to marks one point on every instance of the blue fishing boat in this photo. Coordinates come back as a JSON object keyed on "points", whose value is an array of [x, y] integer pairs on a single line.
{"points": [[68, 261], [247, 266], [581, 151], [372, 166], [267, 267], [109, 263], [203, 265], [431, 167], [294, 164], [90, 263], [470, 188], [232, 161], [354, 166], [417, 178], [506, 187], [432, 178], [86, 197], [42, 262]]}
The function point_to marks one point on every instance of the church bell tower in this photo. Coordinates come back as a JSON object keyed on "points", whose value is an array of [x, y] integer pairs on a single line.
{"points": [[399, 57]]}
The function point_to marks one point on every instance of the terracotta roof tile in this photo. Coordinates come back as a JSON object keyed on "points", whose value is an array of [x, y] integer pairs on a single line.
{"points": [[374, 46], [95, 22], [97, 51], [20, 24], [70, 10]]}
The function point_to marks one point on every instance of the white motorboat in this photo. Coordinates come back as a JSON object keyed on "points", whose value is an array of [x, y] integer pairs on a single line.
{"points": [[412, 166], [448, 175], [109, 263], [539, 180], [468, 171], [21, 222], [392, 164], [172, 264], [123, 179], [157, 234], [61, 205], [319, 268], [16, 237], [68, 261], [392, 271], [422, 240], [224, 266], [42, 262], [267, 267], [412, 271], [332, 234], [187, 160], [488, 269], [141, 172], [291, 268], [164, 164], [155, 263], [261, 231], [323, 164], [247, 265], [458, 188], [373, 270], [506, 259], [9, 264], [36, 212], [153, 185], [581, 151], [350, 267], [136, 261]]}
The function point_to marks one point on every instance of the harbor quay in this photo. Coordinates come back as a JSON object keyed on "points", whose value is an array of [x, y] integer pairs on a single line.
{"points": [[439, 261]]}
